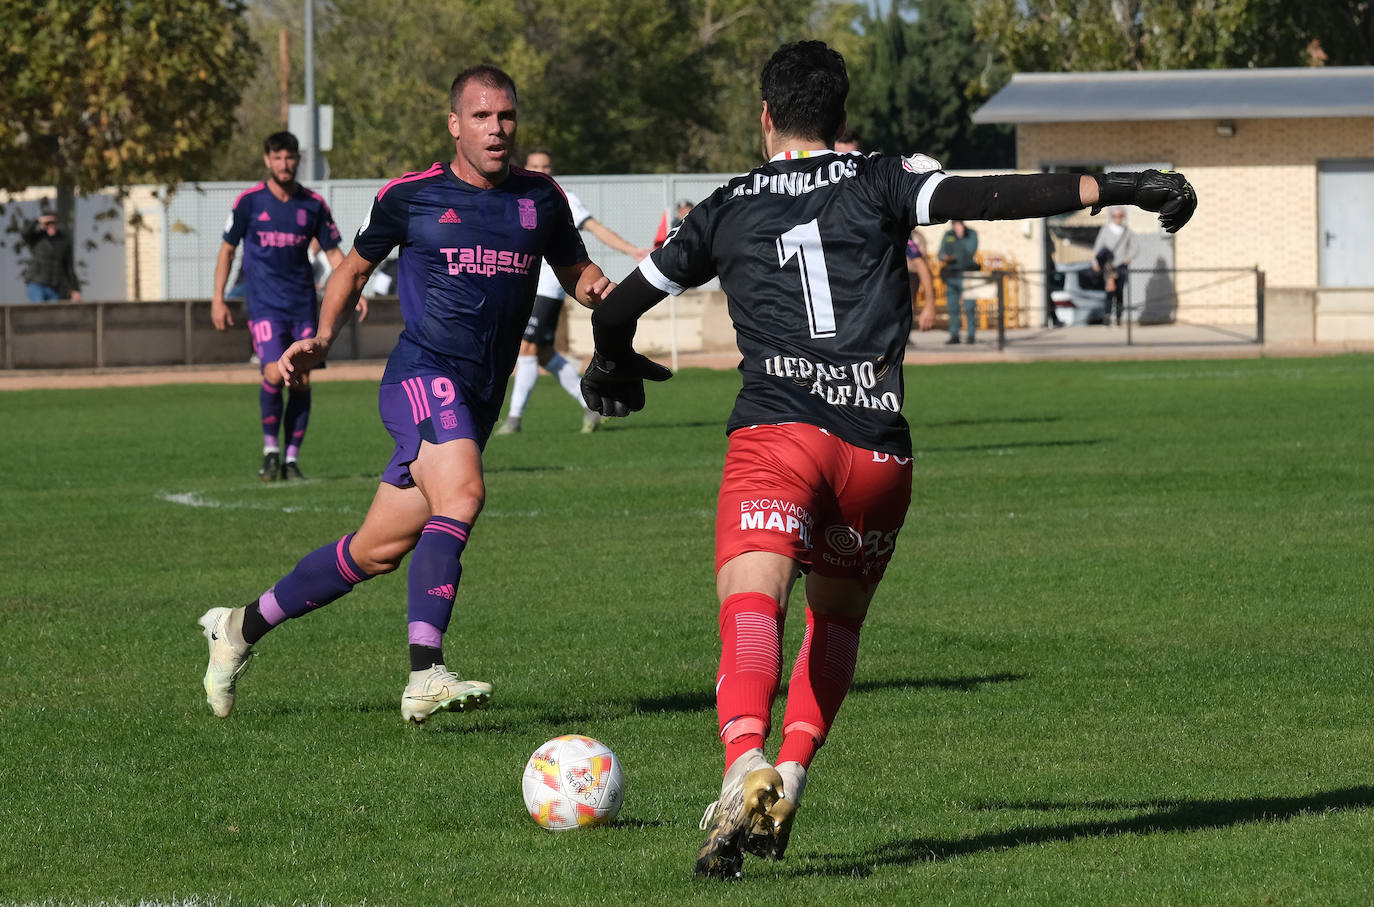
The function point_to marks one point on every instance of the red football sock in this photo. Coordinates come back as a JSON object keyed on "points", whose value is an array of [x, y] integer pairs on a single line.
{"points": [[750, 665], [820, 680]]}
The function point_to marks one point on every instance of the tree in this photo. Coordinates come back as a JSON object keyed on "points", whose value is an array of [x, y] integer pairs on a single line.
{"points": [[1107, 35], [736, 38], [915, 86], [109, 93], [608, 85]]}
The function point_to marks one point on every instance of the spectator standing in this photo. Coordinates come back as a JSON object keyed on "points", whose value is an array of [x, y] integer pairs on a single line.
{"points": [[1113, 251], [668, 225], [51, 274], [957, 249]]}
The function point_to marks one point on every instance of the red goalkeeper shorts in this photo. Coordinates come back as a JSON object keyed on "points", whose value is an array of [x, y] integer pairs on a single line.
{"points": [[799, 491]]}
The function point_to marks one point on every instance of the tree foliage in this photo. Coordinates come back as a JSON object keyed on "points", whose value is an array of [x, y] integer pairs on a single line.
{"points": [[101, 93], [610, 86], [1093, 35], [915, 84]]}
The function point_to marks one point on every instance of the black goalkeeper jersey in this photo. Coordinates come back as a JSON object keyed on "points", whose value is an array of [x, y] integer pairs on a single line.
{"points": [[810, 250]]}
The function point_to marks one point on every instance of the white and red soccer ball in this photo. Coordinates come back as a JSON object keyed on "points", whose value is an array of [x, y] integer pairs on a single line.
{"points": [[573, 782]]}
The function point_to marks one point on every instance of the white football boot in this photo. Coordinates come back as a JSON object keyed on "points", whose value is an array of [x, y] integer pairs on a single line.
{"points": [[437, 689], [751, 788], [229, 657]]}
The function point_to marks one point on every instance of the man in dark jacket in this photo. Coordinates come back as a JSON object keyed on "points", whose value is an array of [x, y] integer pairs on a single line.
{"points": [[51, 273]]}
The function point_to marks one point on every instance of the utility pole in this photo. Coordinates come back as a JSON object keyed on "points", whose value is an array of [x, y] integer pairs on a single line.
{"points": [[284, 54], [314, 164]]}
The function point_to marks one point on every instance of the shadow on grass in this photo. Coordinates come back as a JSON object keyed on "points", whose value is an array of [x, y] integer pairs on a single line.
{"points": [[497, 718], [1010, 445], [641, 424], [1157, 817], [705, 700], [632, 825], [961, 684], [1005, 420]]}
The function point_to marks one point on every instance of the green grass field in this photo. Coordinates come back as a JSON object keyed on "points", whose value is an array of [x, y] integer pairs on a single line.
{"points": [[1123, 654]]}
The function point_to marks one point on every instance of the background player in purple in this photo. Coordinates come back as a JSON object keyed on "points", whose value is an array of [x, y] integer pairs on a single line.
{"points": [[471, 233], [810, 251], [277, 221]]}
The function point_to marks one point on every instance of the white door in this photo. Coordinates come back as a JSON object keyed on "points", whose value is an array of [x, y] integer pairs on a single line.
{"points": [[1345, 196]]}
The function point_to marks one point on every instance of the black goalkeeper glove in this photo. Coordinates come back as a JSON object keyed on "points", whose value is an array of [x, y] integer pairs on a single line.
{"points": [[617, 388], [1164, 191]]}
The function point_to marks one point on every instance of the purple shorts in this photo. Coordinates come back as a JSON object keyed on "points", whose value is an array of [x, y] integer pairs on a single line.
{"points": [[424, 408], [271, 337]]}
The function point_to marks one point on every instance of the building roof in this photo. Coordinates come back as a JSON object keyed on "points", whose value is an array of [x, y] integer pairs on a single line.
{"points": [[1184, 94]]}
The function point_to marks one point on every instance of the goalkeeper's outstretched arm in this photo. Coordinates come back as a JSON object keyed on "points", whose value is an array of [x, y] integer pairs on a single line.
{"points": [[614, 321], [1014, 196]]}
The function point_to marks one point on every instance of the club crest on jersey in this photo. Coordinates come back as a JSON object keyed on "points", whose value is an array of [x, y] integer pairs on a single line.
{"points": [[529, 215], [300, 217]]}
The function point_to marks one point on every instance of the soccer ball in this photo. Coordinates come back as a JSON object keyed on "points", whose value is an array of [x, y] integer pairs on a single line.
{"points": [[573, 782]]}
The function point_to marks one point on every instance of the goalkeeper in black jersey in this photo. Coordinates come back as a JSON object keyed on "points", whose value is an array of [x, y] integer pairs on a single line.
{"points": [[810, 252]]}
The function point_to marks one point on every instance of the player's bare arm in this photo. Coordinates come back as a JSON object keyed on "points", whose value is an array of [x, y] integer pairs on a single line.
{"points": [[925, 320], [585, 282], [336, 259], [613, 239], [1016, 196], [341, 296], [219, 310]]}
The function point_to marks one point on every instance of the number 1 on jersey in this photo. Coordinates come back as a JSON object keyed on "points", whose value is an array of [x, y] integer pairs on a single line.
{"points": [[804, 241]]}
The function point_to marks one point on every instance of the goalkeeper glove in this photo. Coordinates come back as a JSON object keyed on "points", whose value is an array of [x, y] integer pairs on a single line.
{"points": [[616, 388], [1164, 191]]}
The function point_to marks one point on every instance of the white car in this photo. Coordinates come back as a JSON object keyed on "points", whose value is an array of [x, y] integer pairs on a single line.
{"points": [[1080, 297]]}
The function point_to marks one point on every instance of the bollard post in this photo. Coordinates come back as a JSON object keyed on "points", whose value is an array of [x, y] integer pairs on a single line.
{"points": [[1001, 310]]}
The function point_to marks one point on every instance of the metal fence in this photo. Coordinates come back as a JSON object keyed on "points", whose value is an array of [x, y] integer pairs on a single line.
{"points": [[631, 205], [1219, 305], [152, 334], [1225, 302]]}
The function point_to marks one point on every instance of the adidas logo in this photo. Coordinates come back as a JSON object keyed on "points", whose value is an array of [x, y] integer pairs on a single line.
{"points": [[446, 591], [264, 216], [450, 217]]}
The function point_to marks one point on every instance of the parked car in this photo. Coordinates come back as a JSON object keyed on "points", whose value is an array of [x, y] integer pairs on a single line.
{"points": [[1079, 294]]}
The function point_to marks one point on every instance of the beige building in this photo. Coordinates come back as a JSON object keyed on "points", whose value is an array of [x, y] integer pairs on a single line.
{"points": [[1283, 162]]}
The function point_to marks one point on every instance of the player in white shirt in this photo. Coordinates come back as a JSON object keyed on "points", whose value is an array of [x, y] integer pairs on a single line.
{"points": [[536, 349]]}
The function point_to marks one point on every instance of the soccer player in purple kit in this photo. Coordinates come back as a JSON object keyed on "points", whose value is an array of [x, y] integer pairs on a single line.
{"points": [[817, 478], [471, 234], [277, 221]]}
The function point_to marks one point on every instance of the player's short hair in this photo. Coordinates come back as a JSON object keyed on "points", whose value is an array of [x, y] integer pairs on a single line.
{"points": [[484, 73], [539, 149], [850, 137], [281, 141], [805, 85]]}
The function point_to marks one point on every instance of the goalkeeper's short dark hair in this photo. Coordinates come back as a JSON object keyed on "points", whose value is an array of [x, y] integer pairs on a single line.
{"points": [[805, 85]]}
